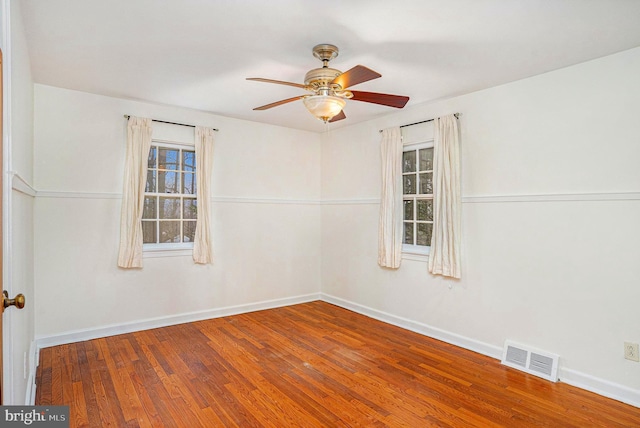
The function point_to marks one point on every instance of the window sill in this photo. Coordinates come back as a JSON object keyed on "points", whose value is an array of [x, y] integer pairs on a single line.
{"points": [[415, 253], [415, 257], [152, 251]]}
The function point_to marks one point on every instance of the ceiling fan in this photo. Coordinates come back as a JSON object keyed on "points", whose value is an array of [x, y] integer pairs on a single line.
{"points": [[329, 88]]}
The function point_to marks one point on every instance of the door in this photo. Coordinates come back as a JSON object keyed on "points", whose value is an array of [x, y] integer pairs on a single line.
{"points": [[5, 301], [1, 219]]}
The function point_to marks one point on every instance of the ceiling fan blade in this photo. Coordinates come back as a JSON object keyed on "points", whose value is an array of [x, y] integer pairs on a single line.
{"points": [[357, 74], [279, 103], [279, 82], [397, 101], [338, 117]]}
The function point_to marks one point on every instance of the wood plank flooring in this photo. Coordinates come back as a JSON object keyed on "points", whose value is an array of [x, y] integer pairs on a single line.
{"points": [[307, 365]]}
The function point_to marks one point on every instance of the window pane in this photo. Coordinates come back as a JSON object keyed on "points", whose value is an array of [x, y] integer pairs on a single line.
{"points": [[189, 183], [168, 158], [151, 182], [408, 233], [169, 231], [190, 209], [169, 208], [149, 210], [425, 209], [188, 161], [409, 161], [408, 210], [167, 182], [409, 184], [424, 234], [149, 232], [170, 172], [426, 183], [426, 159], [189, 231], [153, 153]]}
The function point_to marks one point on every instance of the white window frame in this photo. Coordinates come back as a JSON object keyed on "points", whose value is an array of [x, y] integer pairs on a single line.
{"points": [[409, 251], [169, 249]]}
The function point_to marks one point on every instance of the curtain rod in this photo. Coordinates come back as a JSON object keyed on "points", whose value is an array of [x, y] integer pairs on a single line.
{"points": [[422, 121], [126, 116]]}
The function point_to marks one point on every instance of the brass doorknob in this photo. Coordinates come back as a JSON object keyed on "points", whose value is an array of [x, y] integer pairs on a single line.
{"points": [[17, 301]]}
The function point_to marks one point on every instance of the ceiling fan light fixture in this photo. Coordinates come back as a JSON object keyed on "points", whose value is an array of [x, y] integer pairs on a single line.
{"points": [[324, 107]]}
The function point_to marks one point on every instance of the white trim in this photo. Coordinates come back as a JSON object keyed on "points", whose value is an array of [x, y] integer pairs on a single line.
{"points": [[8, 380], [173, 144], [600, 386], [564, 197], [370, 201], [417, 327], [168, 246], [34, 358], [77, 195], [419, 250], [560, 197], [218, 199], [221, 199], [115, 329], [417, 145], [242, 200], [166, 252], [569, 376], [20, 184], [416, 257]]}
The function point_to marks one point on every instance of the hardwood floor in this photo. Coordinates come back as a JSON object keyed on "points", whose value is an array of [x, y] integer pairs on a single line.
{"points": [[308, 365]]}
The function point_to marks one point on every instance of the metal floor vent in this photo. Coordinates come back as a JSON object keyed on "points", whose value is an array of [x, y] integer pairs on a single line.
{"points": [[532, 361]]}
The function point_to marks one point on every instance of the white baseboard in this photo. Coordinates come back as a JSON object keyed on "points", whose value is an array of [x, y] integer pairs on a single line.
{"points": [[424, 329], [112, 330], [115, 329], [600, 386], [571, 377]]}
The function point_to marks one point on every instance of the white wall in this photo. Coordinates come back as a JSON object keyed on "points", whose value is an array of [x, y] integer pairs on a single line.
{"points": [[551, 202], [266, 218], [18, 204]]}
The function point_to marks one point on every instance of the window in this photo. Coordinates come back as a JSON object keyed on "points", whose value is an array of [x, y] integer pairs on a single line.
{"points": [[170, 205], [417, 190]]}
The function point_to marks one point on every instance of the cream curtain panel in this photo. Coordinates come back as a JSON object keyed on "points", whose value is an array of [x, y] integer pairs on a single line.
{"points": [[202, 248], [444, 257], [390, 222], [135, 175]]}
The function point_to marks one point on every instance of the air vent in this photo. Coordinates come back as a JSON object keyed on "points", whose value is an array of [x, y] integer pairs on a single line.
{"points": [[517, 356], [532, 361]]}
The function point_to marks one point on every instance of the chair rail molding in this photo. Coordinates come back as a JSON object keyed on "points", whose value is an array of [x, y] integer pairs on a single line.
{"points": [[21, 185]]}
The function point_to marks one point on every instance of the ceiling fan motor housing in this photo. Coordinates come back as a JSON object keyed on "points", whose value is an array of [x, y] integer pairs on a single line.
{"points": [[321, 78]]}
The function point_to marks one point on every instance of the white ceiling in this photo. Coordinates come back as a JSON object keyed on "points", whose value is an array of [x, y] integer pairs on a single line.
{"points": [[197, 53]]}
